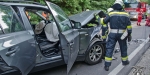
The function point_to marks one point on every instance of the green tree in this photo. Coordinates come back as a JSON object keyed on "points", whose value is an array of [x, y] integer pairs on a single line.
{"points": [[101, 4], [76, 6], [147, 1]]}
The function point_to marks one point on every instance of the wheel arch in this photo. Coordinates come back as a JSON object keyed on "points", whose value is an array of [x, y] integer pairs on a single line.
{"points": [[94, 40], [96, 35]]}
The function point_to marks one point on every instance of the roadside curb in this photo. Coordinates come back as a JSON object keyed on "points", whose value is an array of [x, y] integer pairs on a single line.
{"points": [[143, 62]]}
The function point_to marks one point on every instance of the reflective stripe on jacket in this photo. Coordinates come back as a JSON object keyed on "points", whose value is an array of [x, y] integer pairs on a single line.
{"points": [[118, 20]]}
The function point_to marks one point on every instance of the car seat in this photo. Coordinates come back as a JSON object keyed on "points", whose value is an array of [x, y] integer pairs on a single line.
{"points": [[49, 43], [51, 32]]}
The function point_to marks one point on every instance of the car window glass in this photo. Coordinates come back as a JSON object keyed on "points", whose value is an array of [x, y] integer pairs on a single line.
{"points": [[8, 20], [33, 18], [61, 18]]}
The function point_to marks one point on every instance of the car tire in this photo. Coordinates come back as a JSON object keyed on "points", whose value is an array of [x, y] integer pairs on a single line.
{"points": [[92, 54]]}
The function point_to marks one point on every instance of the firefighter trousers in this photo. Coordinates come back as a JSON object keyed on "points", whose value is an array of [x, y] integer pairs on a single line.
{"points": [[110, 45]]}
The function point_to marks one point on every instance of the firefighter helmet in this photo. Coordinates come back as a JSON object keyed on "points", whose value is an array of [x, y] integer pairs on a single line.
{"points": [[109, 9], [119, 2]]}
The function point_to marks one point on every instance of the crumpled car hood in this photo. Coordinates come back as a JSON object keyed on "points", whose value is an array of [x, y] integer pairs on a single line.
{"points": [[85, 16]]}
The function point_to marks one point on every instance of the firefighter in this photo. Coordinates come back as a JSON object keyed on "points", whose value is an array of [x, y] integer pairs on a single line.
{"points": [[139, 18], [119, 21], [148, 18], [147, 22], [104, 32], [119, 2], [105, 29]]}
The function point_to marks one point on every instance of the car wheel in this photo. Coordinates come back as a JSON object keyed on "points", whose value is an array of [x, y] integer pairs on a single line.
{"points": [[95, 53]]}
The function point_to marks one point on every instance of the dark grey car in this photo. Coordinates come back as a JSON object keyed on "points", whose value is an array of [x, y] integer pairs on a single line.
{"points": [[23, 51]]}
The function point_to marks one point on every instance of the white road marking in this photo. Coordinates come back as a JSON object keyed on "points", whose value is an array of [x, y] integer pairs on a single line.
{"points": [[120, 66]]}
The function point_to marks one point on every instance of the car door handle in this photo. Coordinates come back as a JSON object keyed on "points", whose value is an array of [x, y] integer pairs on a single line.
{"points": [[12, 50], [71, 43]]}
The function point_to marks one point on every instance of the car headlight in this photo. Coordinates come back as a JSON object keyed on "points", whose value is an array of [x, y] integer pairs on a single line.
{"points": [[135, 16]]}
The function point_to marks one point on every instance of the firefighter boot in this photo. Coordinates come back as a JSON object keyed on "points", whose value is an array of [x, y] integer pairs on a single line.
{"points": [[146, 22], [106, 68], [126, 63], [139, 24], [146, 25]]}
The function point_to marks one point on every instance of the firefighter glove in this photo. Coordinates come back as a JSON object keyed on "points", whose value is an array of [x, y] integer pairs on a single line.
{"points": [[129, 38]]}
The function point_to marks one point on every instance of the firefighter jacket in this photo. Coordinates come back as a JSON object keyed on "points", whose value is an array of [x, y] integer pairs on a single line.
{"points": [[118, 20]]}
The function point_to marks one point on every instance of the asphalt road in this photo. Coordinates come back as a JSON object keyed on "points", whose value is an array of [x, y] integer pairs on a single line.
{"points": [[136, 48]]}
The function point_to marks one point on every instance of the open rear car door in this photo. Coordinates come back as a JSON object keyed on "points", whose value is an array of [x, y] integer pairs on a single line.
{"points": [[17, 49]]}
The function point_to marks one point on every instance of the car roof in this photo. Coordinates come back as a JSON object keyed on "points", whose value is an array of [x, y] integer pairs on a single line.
{"points": [[23, 4]]}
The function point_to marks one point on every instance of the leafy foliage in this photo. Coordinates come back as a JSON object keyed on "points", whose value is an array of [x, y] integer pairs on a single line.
{"points": [[76, 6], [148, 1], [101, 4]]}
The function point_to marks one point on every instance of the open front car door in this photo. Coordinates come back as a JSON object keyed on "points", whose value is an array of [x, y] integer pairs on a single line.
{"points": [[69, 38]]}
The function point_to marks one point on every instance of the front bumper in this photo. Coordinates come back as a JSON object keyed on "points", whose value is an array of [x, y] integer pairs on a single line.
{"points": [[133, 17]]}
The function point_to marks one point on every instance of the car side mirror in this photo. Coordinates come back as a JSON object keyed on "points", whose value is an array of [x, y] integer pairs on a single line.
{"points": [[77, 25]]}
